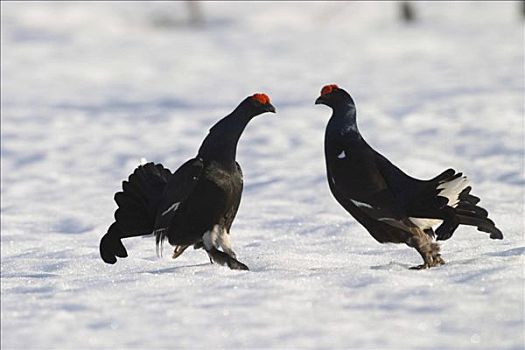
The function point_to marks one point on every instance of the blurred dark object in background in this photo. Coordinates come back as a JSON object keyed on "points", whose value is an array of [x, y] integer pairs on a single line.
{"points": [[195, 12], [406, 11], [167, 14]]}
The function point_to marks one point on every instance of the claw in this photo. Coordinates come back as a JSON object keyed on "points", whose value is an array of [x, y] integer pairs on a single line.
{"points": [[420, 267], [438, 260], [178, 251]]}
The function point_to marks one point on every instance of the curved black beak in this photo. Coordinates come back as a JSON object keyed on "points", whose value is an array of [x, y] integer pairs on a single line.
{"points": [[320, 100], [270, 108]]}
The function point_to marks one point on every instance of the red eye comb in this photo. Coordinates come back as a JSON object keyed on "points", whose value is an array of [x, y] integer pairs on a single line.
{"points": [[261, 98], [328, 89]]}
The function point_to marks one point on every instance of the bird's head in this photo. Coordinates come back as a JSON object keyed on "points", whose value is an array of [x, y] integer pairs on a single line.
{"points": [[260, 103], [333, 96]]}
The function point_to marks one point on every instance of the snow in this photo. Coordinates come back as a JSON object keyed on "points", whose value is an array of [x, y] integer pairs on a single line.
{"points": [[91, 88]]}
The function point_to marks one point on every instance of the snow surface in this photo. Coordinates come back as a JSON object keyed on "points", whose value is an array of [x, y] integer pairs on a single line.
{"points": [[89, 89]]}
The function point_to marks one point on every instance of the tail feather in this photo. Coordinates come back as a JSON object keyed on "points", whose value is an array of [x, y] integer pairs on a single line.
{"points": [[482, 224], [462, 207], [471, 210], [452, 188], [469, 213], [466, 196], [139, 199], [443, 176], [111, 246], [137, 207]]}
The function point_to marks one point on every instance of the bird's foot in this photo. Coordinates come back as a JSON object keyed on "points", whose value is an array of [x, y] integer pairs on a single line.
{"points": [[420, 267], [235, 264], [435, 261], [438, 260], [222, 258], [231, 253], [428, 250]]}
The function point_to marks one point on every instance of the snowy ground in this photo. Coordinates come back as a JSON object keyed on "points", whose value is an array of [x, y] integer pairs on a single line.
{"points": [[90, 88]]}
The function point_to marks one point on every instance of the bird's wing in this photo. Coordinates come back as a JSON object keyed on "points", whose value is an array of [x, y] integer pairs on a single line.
{"points": [[180, 186], [402, 186], [417, 197], [356, 178], [444, 200]]}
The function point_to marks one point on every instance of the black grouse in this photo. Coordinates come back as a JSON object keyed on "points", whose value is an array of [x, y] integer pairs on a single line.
{"points": [[196, 204], [391, 205]]}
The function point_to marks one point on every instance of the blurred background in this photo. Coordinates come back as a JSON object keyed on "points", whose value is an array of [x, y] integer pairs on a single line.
{"points": [[88, 89]]}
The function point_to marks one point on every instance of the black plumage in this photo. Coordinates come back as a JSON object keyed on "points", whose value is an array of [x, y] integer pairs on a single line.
{"points": [[393, 206], [196, 205]]}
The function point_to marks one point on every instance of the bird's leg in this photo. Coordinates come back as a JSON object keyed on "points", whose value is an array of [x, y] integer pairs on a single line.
{"points": [[212, 240], [179, 249], [439, 260], [435, 248], [436, 256], [224, 242], [428, 249]]}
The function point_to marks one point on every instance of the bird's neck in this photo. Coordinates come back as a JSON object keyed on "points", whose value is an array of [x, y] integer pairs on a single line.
{"points": [[221, 143], [344, 121]]}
